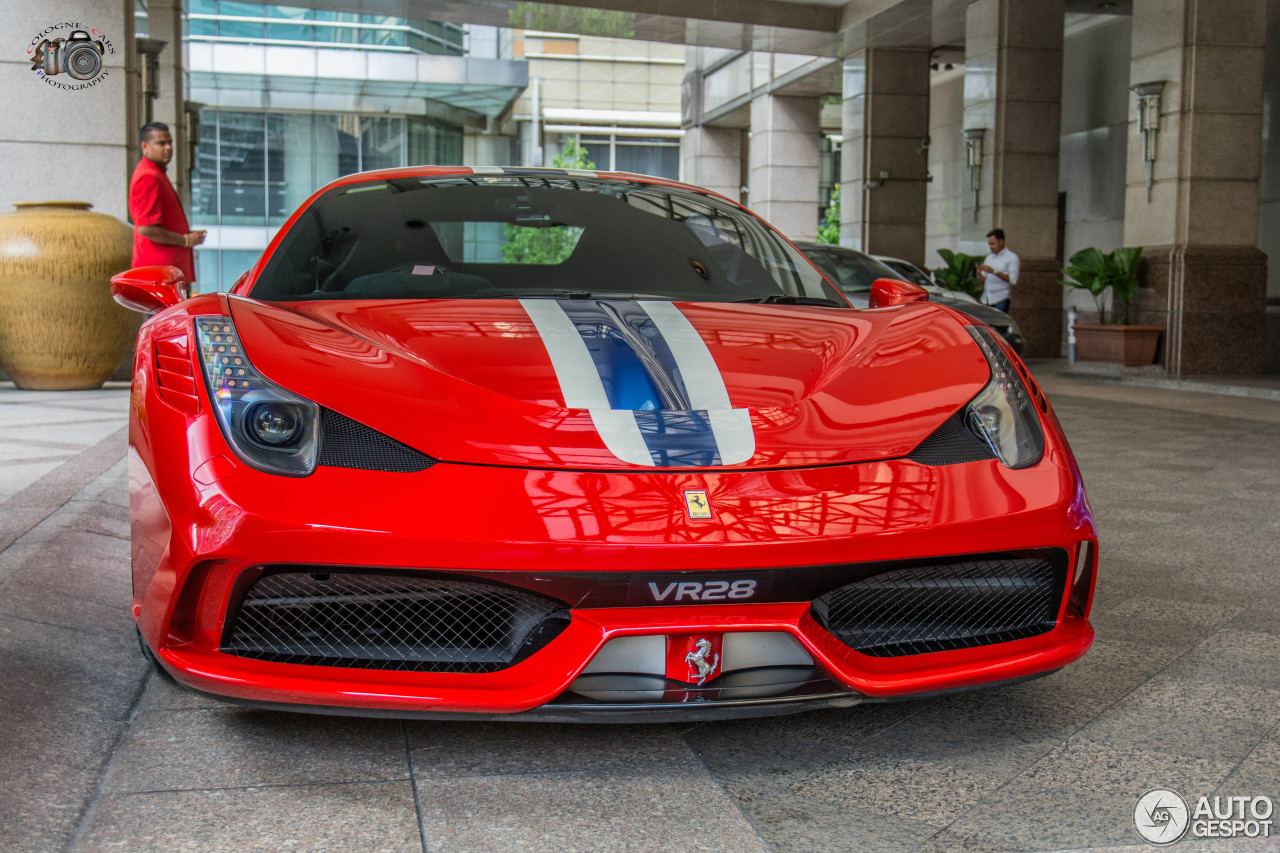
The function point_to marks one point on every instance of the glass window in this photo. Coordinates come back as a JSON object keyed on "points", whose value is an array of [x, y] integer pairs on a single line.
{"points": [[204, 176], [852, 272], [293, 170], [508, 236], [240, 29], [660, 160], [432, 144], [242, 150], [381, 142]]}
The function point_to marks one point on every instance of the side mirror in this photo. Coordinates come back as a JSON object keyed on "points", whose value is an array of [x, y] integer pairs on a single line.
{"points": [[149, 289], [892, 291]]}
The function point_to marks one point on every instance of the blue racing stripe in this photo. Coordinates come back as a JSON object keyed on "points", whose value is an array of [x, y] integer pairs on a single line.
{"points": [[679, 438], [623, 374], [633, 361]]}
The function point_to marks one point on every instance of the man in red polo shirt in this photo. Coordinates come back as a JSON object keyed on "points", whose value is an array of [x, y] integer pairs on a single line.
{"points": [[161, 235]]}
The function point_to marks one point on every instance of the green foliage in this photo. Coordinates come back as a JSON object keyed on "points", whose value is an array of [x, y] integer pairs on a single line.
{"points": [[546, 245], [567, 19], [960, 272], [1091, 270], [829, 230]]}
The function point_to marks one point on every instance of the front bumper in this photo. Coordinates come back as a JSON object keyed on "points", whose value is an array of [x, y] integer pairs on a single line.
{"points": [[224, 520]]}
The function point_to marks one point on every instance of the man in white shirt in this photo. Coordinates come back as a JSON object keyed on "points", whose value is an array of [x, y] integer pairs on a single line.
{"points": [[998, 271]]}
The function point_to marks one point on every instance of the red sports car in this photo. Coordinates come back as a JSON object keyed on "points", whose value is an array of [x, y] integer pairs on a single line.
{"points": [[561, 444]]}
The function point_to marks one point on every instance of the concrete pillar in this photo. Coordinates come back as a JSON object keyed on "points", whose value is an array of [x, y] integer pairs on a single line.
{"points": [[1199, 229], [164, 22], [884, 168], [711, 157], [1013, 89], [75, 145], [785, 140]]}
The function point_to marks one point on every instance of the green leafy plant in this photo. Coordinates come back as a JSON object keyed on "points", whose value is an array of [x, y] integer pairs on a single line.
{"points": [[546, 245], [960, 272], [1092, 270], [829, 230]]}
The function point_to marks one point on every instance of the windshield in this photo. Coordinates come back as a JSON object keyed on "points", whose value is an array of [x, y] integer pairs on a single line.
{"points": [[853, 272], [536, 234]]}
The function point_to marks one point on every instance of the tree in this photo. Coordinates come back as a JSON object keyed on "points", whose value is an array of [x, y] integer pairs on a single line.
{"points": [[829, 230], [550, 243]]}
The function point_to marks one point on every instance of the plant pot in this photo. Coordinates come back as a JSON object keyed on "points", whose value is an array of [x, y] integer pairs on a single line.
{"points": [[1127, 345], [60, 329]]}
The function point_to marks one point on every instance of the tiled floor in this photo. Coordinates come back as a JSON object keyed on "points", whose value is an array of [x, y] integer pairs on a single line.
{"points": [[1181, 690]]}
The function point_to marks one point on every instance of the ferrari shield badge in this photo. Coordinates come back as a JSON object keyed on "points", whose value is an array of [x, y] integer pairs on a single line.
{"points": [[696, 504]]}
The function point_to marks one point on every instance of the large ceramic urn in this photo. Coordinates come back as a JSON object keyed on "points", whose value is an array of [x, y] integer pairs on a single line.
{"points": [[59, 327]]}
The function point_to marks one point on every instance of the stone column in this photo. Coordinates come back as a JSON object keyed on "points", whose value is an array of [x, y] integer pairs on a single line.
{"points": [[785, 140], [1199, 229], [55, 143], [884, 165], [711, 157], [1013, 89], [164, 22]]}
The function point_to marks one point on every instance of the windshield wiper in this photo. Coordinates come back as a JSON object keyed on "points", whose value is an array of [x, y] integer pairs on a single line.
{"points": [[787, 299]]}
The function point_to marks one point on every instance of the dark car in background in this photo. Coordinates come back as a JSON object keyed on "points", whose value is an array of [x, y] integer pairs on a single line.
{"points": [[853, 272]]}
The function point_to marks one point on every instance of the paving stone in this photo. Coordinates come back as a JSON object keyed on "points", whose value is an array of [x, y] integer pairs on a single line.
{"points": [[370, 817], [235, 747], [796, 824], [648, 808], [475, 749], [1084, 790]]}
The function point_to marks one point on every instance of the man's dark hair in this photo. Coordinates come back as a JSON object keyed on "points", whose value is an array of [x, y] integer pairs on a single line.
{"points": [[147, 128], [998, 233]]}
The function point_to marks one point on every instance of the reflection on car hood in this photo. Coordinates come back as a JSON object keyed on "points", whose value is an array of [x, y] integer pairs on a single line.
{"points": [[592, 383]]}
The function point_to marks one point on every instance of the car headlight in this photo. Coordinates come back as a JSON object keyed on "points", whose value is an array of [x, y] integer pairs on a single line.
{"points": [[271, 429], [1003, 414]]}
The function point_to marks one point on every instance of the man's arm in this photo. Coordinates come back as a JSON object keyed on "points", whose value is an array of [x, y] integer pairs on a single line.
{"points": [[165, 237]]}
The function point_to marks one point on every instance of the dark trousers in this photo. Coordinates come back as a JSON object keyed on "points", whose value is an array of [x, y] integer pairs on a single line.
{"points": [[1002, 305]]}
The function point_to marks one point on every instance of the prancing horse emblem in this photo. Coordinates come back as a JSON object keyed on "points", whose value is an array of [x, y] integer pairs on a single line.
{"points": [[697, 659]]}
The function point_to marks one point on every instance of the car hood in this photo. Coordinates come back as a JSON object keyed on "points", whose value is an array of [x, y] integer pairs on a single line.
{"points": [[620, 384]]}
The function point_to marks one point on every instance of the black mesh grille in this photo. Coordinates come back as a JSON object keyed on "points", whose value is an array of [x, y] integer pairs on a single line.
{"points": [[950, 444], [921, 609], [402, 622], [345, 443]]}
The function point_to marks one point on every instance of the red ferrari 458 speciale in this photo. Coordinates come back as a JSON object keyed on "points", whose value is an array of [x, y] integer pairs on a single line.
{"points": [[559, 444]]}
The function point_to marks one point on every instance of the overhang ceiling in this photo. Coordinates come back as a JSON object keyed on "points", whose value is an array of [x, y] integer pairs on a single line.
{"points": [[813, 27]]}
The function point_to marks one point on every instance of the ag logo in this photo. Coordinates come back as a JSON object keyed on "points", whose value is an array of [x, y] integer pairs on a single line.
{"points": [[1161, 816], [696, 503]]}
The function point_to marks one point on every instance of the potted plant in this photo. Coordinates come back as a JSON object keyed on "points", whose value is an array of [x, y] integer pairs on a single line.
{"points": [[960, 273], [1111, 339]]}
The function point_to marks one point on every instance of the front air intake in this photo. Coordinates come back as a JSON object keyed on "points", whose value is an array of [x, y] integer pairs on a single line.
{"points": [[391, 621], [934, 608]]}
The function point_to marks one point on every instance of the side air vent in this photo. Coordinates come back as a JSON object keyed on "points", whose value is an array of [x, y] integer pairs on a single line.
{"points": [[950, 444], [345, 443], [921, 609], [391, 621]]}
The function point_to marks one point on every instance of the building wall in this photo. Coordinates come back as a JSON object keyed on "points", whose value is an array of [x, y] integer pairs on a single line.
{"points": [[949, 182], [1269, 214], [1095, 121], [1095, 115], [619, 97]]}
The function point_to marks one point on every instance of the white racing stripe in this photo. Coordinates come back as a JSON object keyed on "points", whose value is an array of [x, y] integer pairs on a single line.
{"points": [[580, 381], [731, 427]]}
